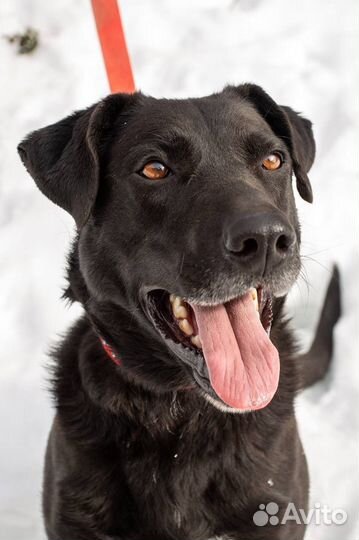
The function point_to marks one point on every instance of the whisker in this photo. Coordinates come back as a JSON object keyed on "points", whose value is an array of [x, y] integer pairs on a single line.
{"points": [[309, 258]]}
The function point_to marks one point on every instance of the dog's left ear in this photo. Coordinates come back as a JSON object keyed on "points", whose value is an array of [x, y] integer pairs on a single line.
{"points": [[64, 158], [295, 131]]}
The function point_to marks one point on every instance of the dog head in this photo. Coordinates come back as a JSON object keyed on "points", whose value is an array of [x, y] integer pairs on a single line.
{"points": [[187, 230]]}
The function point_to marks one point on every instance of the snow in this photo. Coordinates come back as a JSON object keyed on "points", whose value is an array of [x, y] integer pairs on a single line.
{"points": [[303, 55]]}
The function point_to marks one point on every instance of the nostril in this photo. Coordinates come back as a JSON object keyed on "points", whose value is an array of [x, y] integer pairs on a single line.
{"points": [[249, 246], [260, 240], [283, 243]]}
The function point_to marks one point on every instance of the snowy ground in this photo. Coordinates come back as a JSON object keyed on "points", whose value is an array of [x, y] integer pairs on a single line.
{"points": [[305, 55]]}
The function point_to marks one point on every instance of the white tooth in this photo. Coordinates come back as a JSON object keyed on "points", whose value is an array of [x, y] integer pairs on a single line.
{"points": [[180, 312], [255, 298], [185, 327], [196, 342], [178, 307], [177, 301]]}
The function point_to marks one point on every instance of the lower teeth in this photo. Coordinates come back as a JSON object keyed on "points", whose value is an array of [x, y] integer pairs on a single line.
{"points": [[181, 313], [185, 327], [195, 340]]}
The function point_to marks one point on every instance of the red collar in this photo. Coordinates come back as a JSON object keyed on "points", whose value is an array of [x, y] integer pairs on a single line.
{"points": [[110, 352]]}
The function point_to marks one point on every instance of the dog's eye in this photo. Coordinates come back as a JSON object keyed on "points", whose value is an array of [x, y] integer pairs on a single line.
{"points": [[272, 162], [155, 170]]}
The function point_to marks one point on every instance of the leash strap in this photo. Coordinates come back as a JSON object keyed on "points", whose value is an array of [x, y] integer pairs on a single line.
{"points": [[113, 44]]}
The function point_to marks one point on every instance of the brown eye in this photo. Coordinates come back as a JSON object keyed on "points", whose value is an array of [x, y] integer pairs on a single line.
{"points": [[155, 170], [272, 162]]}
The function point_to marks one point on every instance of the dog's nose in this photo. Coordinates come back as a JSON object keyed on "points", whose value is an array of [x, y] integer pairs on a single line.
{"points": [[259, 241]]}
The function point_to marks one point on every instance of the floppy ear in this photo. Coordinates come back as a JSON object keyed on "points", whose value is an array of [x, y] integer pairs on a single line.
{"points": [[64, 159], [295, 131]]}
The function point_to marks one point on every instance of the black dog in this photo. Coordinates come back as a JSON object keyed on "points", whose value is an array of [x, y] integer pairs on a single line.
{"points": [[188, 241]]}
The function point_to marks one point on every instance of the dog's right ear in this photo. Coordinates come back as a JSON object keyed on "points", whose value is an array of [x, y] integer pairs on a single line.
{"points": [[295, 131], [64, 160]]}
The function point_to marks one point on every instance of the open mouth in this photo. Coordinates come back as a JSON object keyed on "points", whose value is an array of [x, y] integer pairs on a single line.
{"points": [[227, 346]]}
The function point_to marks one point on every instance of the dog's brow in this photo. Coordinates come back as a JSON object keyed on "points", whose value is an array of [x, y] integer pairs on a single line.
{"points": [[167, 141], [258, 143], [167, 137]]}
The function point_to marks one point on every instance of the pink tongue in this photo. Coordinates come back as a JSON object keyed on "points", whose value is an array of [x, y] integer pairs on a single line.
{"points": [[242, 361]]}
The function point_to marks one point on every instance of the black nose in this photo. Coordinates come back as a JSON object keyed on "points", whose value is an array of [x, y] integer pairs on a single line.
{"points": [[259, 241]]}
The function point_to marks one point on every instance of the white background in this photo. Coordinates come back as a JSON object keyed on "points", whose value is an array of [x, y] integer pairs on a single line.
{"points": [[305, 54]]}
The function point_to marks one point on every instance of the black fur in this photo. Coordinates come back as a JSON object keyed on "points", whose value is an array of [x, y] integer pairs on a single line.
{"points": [[136, 452]]}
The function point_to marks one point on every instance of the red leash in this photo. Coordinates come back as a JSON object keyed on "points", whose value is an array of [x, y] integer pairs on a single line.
{"points": [[113, 44]]}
